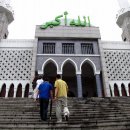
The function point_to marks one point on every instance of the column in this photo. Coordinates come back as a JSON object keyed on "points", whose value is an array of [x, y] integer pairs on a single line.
{"points": [[30, 93], [127, 90], [119, 89], [15, 90], [79, 85], [7, 90], [99, 86], [112, 89], [23, 91]]}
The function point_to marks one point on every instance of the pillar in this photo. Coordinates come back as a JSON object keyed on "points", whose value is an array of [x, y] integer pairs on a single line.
{"points": [[7, 90], [127, 90], [99, 85], [15, 90], [112, 88], [23, 91], [119, 89], [79, 85]]}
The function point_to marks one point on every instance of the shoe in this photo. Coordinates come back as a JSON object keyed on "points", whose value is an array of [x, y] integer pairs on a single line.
{"points": [[66, 117], [59, 121]]}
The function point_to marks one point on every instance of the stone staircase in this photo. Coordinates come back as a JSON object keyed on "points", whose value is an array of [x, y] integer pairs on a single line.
{"points": [[86, 114]]}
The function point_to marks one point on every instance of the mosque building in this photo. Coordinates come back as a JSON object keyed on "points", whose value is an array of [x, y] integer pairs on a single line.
{"points": [[72, 48]]}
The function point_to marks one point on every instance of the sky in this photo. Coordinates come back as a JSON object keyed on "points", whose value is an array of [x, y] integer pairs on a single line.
{"points": [[29, 13]]}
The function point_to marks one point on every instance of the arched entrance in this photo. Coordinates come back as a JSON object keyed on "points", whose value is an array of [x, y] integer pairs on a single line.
{"points": [[88, 80], [69, 75], [50, 71], [19, 91], [123, 90], [3, 91], [26, 90], [116, 91], [11, 91]]}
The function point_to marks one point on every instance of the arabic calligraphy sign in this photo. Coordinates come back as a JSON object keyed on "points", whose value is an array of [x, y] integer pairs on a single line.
{"points": [[73, 22]]}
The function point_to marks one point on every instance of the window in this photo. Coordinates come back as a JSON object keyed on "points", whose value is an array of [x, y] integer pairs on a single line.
{"points": [[68, 48], [49, 48], [87, 48]]}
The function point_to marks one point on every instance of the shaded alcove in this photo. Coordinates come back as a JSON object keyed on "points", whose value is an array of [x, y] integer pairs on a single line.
{"points": [[88, 80], [11, 91], [116, 91], [50, 71], [26, 90], [3, 91], [19, 91], [123, 91], [69, 75]]}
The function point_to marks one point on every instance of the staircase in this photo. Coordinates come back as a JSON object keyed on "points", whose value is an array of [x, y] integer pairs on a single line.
{"points": [[85, 114]]}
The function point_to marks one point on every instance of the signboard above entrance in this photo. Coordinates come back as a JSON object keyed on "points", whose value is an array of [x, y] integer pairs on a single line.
{"points": [[73, 22]]}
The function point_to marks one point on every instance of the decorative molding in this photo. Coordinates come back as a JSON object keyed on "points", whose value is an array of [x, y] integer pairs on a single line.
{"points": [[73, 55]]}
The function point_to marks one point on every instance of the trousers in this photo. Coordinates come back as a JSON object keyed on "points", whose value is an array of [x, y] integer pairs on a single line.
{"points": [[43, 108], [61, 103]]}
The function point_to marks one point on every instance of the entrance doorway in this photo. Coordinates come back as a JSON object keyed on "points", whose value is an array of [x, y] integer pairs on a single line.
{"points": [[116, 91], [69, 75], [11, 91], [3, 91], [88, 81], [26, 90], [19, 91], [123, 90], [50, 71]]}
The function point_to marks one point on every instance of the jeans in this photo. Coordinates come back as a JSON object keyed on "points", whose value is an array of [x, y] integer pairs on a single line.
{"points": [[43, 108]]}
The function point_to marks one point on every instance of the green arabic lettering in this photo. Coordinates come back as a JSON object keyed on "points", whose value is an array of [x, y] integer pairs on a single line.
{"points": [[47, 24], [89, 22], [65, 13], [83, 24], [52, 23], [79, 22], [72, 23], [57, 20]]}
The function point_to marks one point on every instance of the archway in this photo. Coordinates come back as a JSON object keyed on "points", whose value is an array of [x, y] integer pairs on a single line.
{"points": [[69, 75], [11, 91], [3, 91], [88, 80], [19, 91], [26, 90], [50, 71], [123, 91], [116, 91]]}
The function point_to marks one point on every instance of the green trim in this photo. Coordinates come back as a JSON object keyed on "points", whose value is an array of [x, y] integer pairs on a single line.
{"points": [[57, 21], [65, 13]]}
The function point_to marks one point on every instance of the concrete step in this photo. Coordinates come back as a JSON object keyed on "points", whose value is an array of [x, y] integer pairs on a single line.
{"points": [[90, 114]]}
